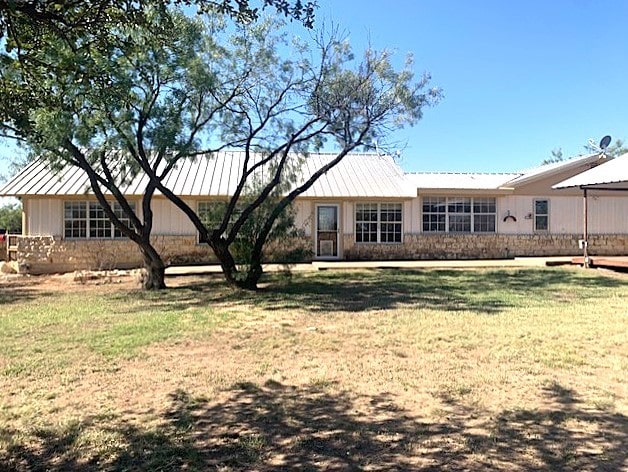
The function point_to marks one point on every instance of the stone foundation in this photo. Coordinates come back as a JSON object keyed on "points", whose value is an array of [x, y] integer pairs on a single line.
{"points": [[49, 254], [485, 246]]}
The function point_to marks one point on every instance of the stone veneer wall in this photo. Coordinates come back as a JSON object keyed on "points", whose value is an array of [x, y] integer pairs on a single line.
{"points": [[48, 254], [485, 246]]}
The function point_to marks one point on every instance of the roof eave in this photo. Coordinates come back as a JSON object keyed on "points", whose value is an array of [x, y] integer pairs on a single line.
{"points": [[524, 180]]}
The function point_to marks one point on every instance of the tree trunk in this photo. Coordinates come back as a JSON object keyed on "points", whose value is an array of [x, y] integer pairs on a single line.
{"points": [[227, 263], [253, 275], [155, 270]]}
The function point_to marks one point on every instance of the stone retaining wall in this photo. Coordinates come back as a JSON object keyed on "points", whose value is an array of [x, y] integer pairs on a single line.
{"points": [[485, 246]]}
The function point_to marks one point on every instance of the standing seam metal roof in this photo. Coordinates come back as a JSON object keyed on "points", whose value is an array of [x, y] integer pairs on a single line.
{"points": [[611, 172], [217, 175]]}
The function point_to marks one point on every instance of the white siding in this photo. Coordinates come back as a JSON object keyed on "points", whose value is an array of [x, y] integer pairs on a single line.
{"points": [[304, 216], [44, 217], [348, 216], [521, 207], [608, 214], [414, 224], [169, 219]]}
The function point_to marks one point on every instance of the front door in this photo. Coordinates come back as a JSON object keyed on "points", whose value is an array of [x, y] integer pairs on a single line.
{"points": [[327, 231]]}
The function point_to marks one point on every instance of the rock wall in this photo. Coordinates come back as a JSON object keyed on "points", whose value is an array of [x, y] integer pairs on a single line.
{"points": [[485, 246], [48, 254]]}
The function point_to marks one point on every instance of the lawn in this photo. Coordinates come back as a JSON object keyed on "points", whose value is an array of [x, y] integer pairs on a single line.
{"points": [[348, 370]]}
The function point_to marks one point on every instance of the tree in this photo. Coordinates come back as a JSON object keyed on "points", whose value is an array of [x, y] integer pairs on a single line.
{"points": [[91, 104], [111, 85], [11, 218], [614, 150], [68, 17], [283, 108], [557, 156], [143, 99]]}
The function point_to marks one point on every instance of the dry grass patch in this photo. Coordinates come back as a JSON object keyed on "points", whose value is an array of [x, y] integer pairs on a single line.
{"points": [[369, 370]]}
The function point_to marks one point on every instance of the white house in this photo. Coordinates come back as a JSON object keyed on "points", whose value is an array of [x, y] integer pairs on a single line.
{"points": [[364, 208]]}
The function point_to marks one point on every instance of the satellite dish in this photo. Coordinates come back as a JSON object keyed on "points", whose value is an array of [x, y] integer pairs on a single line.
{"points": [[606, 140]]}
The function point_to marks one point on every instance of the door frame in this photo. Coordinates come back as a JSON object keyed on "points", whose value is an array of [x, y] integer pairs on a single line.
{"points": [[338, 220]]}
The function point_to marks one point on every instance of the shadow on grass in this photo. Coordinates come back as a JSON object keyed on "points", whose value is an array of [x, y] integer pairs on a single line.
{"points": [[279, 427], [484, 292], [19, 292]]}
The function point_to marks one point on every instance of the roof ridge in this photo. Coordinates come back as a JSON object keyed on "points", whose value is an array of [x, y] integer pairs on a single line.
{"points": [[461, 173]]}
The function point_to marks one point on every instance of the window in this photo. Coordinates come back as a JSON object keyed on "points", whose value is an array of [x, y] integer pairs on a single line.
{"points": [[211, 214], [434, 214], [86, 220], [366, 222], [99, 224], [459, 215], [75, 219], [459, 210], [378, 222], [484, 211], [541, 215]]}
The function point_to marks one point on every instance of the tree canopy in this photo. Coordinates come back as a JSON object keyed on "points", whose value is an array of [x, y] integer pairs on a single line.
{"points": [[11, 218], [617, 148], [148, 95]]}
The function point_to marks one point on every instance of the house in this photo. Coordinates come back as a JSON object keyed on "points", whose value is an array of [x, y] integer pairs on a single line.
{"points": [[364, 208]]}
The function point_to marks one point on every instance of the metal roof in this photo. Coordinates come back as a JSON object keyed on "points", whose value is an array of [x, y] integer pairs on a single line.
{"points": [[612, 172], [217, 175], [547, 170], [454, 180]]}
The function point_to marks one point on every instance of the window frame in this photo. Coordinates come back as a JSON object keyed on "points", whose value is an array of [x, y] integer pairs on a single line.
{"points": [[215, 203], [95, 224], [382, 228], [536, 215], [453, 214]]}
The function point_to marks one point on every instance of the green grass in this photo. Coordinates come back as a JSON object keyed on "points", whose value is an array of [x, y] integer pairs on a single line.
{"points": [[387, 369], [46, 335]]}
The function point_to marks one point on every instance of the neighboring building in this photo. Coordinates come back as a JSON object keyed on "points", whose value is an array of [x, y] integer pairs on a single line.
{"points": [[364, 208]]}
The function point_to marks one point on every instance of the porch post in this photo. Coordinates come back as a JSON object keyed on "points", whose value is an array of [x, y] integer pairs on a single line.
{"points": [[585, 242]]}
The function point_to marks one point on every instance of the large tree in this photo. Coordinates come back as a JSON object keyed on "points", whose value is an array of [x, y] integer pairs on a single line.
{"points": [[147, 98], [109, 84], [89, 102], [282, 108]]}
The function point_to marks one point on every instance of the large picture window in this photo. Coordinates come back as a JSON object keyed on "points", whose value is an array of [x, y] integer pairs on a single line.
{"points": [[88, 220], [378, 222], [459, 215]]}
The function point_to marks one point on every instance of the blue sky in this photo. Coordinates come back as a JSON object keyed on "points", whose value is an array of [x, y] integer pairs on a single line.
{"points": [[520, 78]]}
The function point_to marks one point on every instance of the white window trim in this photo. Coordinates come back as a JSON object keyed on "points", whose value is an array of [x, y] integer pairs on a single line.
{"points": [[535, 214], [379, 222], [472, 214], [87, 222]]}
